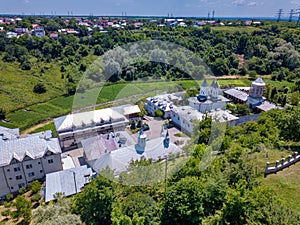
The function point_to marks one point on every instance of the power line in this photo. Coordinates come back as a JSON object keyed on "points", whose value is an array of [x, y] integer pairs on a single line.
{"points": [[279, 13], [292, 13]]}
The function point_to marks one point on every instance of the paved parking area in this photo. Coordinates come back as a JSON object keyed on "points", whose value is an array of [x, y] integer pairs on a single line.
{"points": [[156, 125]]}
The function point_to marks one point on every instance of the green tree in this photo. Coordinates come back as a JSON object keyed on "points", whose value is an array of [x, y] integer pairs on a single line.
{"points": [[184, 203], [39, 88], [94, 203], [57, 213], [23, 209], [159, 113]]}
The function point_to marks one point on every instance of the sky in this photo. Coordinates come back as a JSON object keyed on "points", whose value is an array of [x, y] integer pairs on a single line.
{"points": [[199, 8]]}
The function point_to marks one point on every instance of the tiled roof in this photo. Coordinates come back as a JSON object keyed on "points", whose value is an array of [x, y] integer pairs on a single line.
{"points": [[8, 134], [32, 146]]}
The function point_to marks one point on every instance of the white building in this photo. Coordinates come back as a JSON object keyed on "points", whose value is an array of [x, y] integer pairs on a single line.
{"points": [[184, 117], [210, 98], [254, 99], [74, 128], [39, 32], [23, 160], [164, 102], [68, 182]]}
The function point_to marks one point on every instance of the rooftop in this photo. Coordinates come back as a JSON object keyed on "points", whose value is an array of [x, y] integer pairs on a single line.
{"points": [[8, 134], [120, 159], [241, 95], [33, 147], [188, 113], [127, 109], [68, 181], [87, 119], [259, 82], [222, 116], [97, 146], [266, 106]]}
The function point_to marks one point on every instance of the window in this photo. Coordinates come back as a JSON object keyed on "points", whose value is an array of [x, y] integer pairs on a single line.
{"points": [[50, 161], [39, 163], [8, 170], [29, 166], [19, 177], [10, 178], [11, 188], [31, 174], [16, 169], [41, 171], [21, 185]]}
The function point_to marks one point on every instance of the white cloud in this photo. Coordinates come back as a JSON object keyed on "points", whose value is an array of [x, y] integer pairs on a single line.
{"points": [[239, 2], [295, 2], [252, 4]]}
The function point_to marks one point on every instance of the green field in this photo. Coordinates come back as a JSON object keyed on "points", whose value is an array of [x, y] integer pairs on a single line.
{"points": [[285, 183], [58, 106], [245, 29]]}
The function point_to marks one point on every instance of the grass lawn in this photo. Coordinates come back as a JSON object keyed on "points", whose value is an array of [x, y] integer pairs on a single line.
{"points": [[241, 29], [49, 126], [286, 183], [62, 105]]}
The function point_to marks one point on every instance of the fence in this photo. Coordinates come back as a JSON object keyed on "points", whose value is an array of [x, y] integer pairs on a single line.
{"points": [[282, 164]]}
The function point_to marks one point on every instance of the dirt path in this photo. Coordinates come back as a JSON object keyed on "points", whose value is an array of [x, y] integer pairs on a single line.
{"points": [[27, 131]]}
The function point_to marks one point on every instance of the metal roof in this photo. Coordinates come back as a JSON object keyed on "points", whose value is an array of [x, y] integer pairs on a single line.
{"points": [[267, 106], [243, 96], [259, 82], [120, 159], [87, 119], [95, 147], [32, 146], [68, 181]]}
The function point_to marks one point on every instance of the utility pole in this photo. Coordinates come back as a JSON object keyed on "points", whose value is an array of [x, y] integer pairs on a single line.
{"points": [[279, 13], [291, 15], [298, 21], [213, 14]]}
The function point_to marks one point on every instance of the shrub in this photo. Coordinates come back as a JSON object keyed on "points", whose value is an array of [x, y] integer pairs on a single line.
{"points": [[36, 197], [39, 88], [22, 190], [2, 114], [9, 196], [5, 213], [35, 186], [159, 113], [26, 65]]}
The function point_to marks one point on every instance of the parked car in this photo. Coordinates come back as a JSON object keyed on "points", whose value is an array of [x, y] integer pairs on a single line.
{"points": [[168, 125], [146, 127]]}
